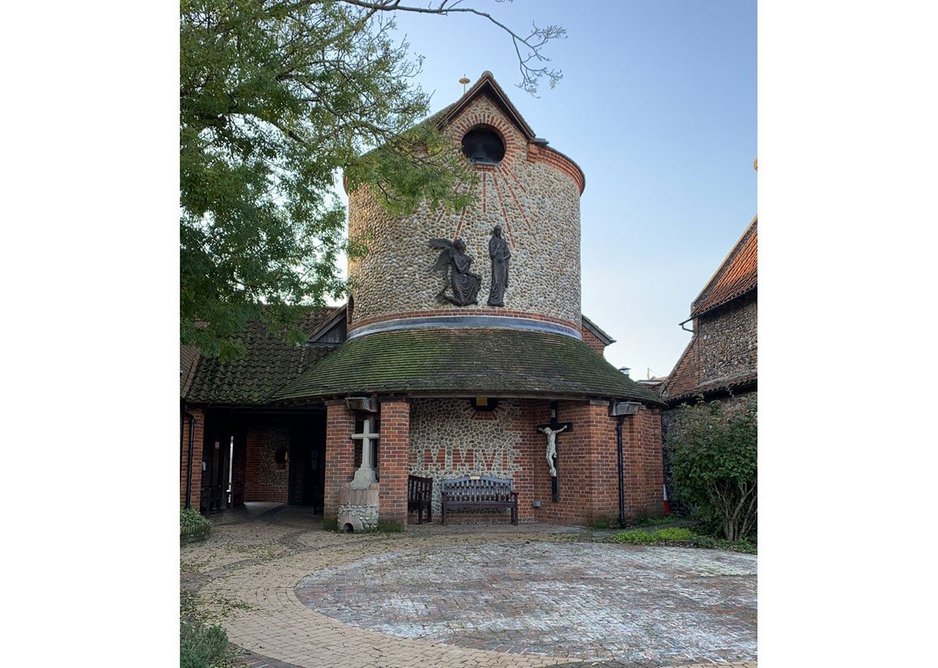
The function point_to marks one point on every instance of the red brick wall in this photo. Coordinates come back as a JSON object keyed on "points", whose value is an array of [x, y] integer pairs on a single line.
{"points": [[587, 467], [586, 462], [576, 451], [394, 453], [644, 475], [604, 492], [340, 455], [198, 435], [592, 340], [264, 479]]}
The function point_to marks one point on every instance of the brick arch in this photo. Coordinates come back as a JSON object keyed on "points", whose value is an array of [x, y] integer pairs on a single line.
{"points": [[487, 120]]}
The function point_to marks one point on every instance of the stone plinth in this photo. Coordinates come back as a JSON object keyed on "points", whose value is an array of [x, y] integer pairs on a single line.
{"points": [[358, 508]]}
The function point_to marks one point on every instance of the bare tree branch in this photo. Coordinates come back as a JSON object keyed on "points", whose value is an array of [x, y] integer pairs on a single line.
{"points": [[531, 75]]}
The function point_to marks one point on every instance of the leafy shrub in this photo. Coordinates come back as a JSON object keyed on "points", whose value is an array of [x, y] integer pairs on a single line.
{"points": [[193, 525], [201, 645], [704, 541], [713, 465]]}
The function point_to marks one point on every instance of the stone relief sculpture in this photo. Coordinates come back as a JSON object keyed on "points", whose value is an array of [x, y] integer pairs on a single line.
{"points": [[552, 447], [454, 262], [500, 254]]}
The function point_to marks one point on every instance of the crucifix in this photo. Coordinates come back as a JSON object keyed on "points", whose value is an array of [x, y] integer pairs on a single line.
{"points": [[365, 475], [552, 430]]}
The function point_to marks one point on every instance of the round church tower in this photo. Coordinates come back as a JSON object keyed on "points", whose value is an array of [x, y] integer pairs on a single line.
{"points": [[467, 358], [511, 260]]}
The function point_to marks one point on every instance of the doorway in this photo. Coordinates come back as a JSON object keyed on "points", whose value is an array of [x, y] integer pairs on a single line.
{"points": [[308, 462], [216, 473]]}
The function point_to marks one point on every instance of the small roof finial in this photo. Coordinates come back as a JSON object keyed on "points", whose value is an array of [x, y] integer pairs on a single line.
{"points": [[464, 81]]}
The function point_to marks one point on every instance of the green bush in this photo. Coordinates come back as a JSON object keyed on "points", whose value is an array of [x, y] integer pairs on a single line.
{"points": [[201, 645], [192, 525], [714, 465], [704, 541]]}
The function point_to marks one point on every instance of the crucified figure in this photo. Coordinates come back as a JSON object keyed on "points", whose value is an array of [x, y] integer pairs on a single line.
{"points": [[552, 447]]}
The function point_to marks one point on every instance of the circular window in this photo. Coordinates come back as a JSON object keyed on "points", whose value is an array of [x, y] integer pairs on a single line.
{"points": [[483, 146]]}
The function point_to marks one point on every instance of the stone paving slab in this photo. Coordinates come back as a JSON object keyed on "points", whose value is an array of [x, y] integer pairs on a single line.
{"points": [[246, 577], [649, 605]]}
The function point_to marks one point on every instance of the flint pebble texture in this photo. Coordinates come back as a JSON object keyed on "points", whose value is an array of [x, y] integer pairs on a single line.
{"points": [[367, 515], [536, 203], [448, 440], [729, 342]]}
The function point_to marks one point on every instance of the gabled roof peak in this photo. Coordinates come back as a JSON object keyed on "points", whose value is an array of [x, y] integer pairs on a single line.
{"points": [[736, 275], [486, 85]]}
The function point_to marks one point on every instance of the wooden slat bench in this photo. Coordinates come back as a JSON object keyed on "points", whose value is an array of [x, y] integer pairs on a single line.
{"points": [[479, 492], [420, 497]]}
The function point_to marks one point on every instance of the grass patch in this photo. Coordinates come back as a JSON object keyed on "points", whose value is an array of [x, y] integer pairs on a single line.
{"points": [[655, 520], [642, 537], [386, 526], [682, 537], [602, 523]]}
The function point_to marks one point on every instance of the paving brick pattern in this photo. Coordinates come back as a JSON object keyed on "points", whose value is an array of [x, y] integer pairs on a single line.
{"points": [[526, 597], [651, 605]]}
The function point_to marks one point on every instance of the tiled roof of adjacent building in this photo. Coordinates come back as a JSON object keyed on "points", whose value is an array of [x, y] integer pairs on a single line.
{"points": [[736, 276], [188, 359], [465, 362], [268, 364]]}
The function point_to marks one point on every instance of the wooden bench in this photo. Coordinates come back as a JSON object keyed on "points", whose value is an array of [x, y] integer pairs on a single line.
{"points": [[420, 497], [479, 492]]}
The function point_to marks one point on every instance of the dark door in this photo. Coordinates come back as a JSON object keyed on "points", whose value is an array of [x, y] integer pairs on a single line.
{"points": [[307, 463], [215, 460]]}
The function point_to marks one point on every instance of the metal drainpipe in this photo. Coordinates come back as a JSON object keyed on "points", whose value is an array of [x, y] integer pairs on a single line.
{"points": [[189, 461], [619, 458]]}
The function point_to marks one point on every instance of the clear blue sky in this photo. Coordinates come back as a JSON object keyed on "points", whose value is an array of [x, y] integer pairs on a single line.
{"points": [[658, 106]]}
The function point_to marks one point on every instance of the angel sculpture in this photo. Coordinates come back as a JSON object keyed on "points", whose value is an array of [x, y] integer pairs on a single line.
{"points": [[455, 263]]}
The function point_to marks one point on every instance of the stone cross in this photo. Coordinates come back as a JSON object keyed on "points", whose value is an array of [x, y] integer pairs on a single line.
{"points": [[365, 475]]}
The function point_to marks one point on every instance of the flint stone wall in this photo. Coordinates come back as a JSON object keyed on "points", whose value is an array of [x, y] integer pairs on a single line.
{"points": [[728, 342], [536, 202], [449, 439]]}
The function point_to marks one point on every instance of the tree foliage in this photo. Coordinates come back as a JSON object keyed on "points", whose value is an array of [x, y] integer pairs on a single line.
{"points": [[714, 464], [276, 98]]}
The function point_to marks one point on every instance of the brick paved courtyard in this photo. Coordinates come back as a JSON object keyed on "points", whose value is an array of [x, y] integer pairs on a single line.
{"points": [[294, 595]]}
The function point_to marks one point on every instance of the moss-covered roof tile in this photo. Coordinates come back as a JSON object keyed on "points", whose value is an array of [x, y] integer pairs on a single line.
{"points": [[470, 361], [268, 364]]}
